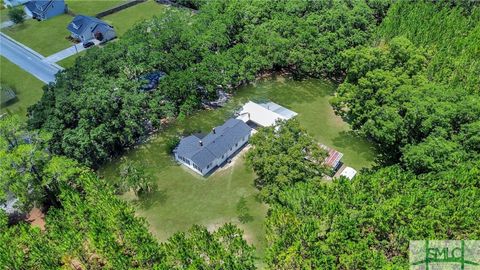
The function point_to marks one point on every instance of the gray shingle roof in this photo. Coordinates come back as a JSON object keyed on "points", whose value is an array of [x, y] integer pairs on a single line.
{"points": [[215, 145], [38, 6], [82, 23]]}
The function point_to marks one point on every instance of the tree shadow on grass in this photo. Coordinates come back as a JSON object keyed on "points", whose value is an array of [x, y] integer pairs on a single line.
{"points": [[146, 201]]}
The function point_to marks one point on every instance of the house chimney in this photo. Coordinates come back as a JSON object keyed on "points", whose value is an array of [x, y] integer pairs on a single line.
{"points": [[213, 130], [201, 143]]}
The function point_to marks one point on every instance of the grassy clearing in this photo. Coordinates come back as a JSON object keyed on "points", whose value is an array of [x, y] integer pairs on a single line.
{"points": [[125, 19], [3, 14], [185, 199], [46, 37], [28, 88], [70, 61], [91, 7]]}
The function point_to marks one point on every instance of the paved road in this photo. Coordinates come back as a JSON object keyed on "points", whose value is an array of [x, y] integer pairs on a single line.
{"points": [[27, 59]]}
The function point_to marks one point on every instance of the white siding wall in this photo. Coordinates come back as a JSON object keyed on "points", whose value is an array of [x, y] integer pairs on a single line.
{"points": [[218, 161]]}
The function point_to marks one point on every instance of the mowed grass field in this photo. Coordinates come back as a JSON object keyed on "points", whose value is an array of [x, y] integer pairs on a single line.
{"points": [[45, 37], [91, 7], [28, 88], [185, 198], [3, 14], [125, 19]]}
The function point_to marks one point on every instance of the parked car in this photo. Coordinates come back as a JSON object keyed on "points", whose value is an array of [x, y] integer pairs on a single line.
{"points": [[88, 44]]}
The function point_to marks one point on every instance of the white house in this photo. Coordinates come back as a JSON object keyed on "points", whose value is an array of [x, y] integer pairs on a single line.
{"points": [[204, 154], [264, 114]]}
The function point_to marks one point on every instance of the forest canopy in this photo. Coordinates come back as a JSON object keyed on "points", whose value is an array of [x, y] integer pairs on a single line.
{"points": [[96, 108], [408, 75]]}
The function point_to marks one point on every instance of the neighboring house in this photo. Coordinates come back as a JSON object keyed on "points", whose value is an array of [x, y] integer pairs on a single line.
{"points": [[45, 9], [204, 154], [13, 3], [86, 28]]}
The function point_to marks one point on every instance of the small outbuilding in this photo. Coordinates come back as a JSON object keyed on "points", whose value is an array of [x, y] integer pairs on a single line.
{"points": [[45, 9], [348, 172], [86, 28], [264, 114]]}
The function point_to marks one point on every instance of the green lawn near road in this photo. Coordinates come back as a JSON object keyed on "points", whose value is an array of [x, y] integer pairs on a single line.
{"points": [[125, 19], [70, 61], [185, 198], [46, 37], [28, 88], [91, 7], [4, 15]]}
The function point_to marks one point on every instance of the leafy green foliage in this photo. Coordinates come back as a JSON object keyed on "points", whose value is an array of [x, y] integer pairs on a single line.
{"points": [[425, 125], [23, 157], [88, 226], [389, 98], [133, 176], [284, 155], [223, 249], [243, 211], [449, 29], [172, 142], [16, 15], [367, 223], [95, 109]]}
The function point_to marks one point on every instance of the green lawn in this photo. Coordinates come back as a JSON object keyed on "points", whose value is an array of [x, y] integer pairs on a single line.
{"points": [[125, 19], [45, 37], [4, 15], [185, 199], [91, 7], [27, 87], [69, 61]]}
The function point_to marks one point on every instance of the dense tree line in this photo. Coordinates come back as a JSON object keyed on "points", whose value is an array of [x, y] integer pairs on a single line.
{"points": [[87, 226], [412, 90], [96, 108], [423, 118]]}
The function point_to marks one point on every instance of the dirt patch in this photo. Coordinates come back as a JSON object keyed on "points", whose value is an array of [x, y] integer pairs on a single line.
{"points": [[36, 218]]}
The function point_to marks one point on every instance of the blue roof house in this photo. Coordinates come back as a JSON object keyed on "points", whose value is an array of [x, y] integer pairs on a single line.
{"points": [[202, 155], [45, 9], [86, 28], [13, 3]]}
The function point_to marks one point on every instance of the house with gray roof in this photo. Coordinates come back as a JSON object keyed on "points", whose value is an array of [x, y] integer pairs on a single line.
{"points": [[45, 9], [86, 28], [13, 3], [203, 154]]}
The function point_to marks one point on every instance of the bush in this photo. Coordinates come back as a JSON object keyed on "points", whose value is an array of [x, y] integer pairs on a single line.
{"points": [[172, 143], [16, 15]]}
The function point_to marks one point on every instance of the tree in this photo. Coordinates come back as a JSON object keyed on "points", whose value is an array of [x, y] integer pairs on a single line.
{"points": [[200, 249], [87, 225], [220, 48], [16, 15], [133, 176], [243, 211], [284, 155], [23, 156], [172, 143]]}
